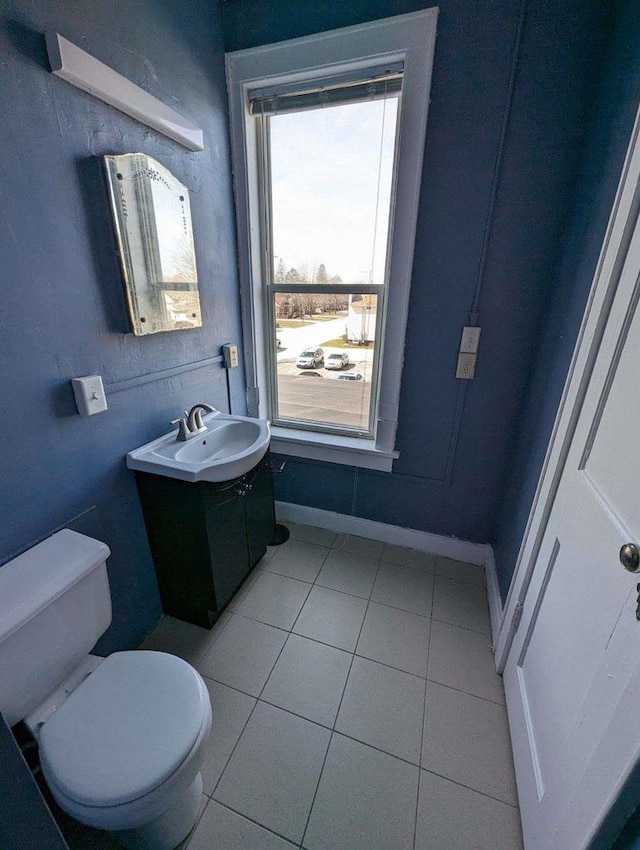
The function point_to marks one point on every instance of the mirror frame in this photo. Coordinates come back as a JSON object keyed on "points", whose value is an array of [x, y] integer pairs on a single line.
{"points": [[154, 233]]}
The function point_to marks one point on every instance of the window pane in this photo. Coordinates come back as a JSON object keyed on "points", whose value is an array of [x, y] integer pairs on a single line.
{"points": [[325, 350], [331, 182]]}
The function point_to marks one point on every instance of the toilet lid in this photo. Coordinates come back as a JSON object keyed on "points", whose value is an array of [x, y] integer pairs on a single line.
{"points": [[125, 730]]}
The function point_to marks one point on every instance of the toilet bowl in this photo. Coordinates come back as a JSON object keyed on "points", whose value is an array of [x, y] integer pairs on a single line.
{"points": [[121, 739], [127, 745]]}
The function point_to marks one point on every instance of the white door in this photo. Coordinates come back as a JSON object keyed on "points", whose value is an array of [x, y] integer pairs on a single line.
{"points": [[572, 675]]}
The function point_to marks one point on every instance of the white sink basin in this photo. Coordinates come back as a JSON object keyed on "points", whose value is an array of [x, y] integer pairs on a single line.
{"points": [[231, 446]]}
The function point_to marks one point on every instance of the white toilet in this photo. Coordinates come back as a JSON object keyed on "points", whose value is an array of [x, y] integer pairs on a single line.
{"points": [[121, 738]]}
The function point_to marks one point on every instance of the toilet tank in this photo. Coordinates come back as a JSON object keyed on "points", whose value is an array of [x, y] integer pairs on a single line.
{"points": [[54, 605]]}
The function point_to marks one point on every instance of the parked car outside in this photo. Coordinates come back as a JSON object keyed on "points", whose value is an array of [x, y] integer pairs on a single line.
{"points": [[310, 358], [337, 360], [356, 377]]}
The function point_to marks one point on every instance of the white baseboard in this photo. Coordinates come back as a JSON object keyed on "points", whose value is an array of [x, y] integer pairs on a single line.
{"points": [[493, 594], [448, 547]]}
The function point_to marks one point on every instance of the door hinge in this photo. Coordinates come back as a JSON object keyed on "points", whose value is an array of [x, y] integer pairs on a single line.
{"points": [[517, 615]]}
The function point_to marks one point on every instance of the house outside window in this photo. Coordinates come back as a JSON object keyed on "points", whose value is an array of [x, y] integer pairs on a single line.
{"points": [[327, 141]]}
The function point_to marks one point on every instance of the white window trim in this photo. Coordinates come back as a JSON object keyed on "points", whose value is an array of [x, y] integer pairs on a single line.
{"points": [[407, 38]]}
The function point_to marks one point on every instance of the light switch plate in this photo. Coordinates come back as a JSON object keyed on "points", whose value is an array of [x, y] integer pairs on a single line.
{"points": [[89, 394], [470, 340]]}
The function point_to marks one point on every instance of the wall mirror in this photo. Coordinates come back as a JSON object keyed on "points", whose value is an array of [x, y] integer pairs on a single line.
{"points": [[152, 220]]}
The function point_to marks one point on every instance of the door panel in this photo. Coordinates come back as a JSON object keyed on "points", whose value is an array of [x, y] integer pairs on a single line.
{"points": [[569, 631], [260, 513], [575, 659], [227, 540], [615, 429]]}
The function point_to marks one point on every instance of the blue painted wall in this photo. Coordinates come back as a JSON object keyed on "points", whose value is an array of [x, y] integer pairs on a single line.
{"points": [[504, 141], [62, 304], [614, 103]]}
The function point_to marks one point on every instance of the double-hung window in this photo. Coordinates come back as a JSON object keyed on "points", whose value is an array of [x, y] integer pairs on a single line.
{"points": [[327, 140]]}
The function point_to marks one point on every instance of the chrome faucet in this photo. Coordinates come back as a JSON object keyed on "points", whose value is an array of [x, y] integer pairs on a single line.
{"points": [[192, 424], [183, 430], [194, 417]]}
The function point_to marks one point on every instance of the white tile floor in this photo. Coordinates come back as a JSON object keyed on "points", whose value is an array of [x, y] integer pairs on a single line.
{"points": [[355, 704]]}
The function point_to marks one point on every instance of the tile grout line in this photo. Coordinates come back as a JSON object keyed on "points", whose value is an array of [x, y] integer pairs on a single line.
{"points": [[347, 652], [357, 654], [471, 788], [306, 637], [315, 580], [281, 628], [462, 691], [293, 539], [295, 578], [326, 728], [258, 700], [244, 590], [424, 717], [354, 596], [226, 685], [422, 767], [354, 654], [349, 737], [285, 575], [415, 818], [466, 628], [386, 664], [447, 778], [262, 622], [273, 667], [308, 594], [333, 731], [315, 792], [214, 638], [333, 728], [226, 764], [381, 561], [257, 823], [383, 543]]}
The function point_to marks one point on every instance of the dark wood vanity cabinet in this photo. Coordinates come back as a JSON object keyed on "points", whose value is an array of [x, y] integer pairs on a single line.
{"points": [[205, 538]]}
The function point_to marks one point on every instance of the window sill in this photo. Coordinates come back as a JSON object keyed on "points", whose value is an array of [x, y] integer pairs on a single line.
{"points": [[350, 451]]}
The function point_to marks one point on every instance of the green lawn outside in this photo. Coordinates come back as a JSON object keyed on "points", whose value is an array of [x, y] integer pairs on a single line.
{"points": [[291, 323], [300, 323], [338, 342]]}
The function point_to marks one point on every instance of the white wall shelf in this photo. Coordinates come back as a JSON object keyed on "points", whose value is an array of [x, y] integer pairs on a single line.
{"points": [[79, 68]]}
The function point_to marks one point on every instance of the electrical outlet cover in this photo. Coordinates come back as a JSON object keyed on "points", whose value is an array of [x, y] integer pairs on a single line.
{"points": [[466, 366], [230, 354]]}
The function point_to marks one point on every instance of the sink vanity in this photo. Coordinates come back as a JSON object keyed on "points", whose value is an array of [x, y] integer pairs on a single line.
{"points": [[209, 512], [230, 446]]}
